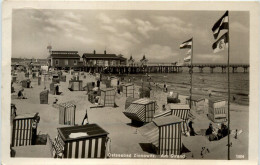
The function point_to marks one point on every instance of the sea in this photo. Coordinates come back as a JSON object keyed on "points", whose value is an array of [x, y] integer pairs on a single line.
{"points": [[203, 84]]}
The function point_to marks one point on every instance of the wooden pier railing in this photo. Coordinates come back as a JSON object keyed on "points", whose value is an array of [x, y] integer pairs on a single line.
{"points": [[160, 68]]}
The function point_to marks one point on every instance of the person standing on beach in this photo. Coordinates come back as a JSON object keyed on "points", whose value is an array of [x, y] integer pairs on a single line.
{"points": [[98, 83], [192, 132]]}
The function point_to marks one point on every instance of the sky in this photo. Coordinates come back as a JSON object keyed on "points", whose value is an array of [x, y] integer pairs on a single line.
{"points": [[157, 34]]}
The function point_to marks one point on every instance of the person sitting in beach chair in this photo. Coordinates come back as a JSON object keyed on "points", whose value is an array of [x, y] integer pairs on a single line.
{"points": [[224, 130], [211, 134], [213, 137], [97, 99], [209, 130], [219, 135], [163, 107], [21, 94]]}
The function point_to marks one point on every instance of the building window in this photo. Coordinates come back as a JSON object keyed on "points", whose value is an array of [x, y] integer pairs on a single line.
{"points": [[75, 62], [66, 62], [56, 62]]}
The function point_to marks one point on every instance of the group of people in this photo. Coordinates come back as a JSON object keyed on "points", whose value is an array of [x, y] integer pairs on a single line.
{"points": [[217, 134]]}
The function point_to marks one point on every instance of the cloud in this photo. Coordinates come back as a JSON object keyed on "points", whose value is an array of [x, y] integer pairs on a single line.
{"points": [[66, 24], [117, 44], [104, 18], [79, 38], [110, 29], [173, 24], [158, 52], [83, 39], [236, 26], [209, 58], [50, 29], [128, 36], [72, 16], [123, 21], [144, 27], [36, 18]]}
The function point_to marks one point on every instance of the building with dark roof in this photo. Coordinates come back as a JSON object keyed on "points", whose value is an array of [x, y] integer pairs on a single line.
{"points": [[94, 59], [64, 59]]}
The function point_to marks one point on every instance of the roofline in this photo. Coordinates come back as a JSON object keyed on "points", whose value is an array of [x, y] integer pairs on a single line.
{"points": [[82, 138], [116, 58], [65, 57], [177, 122]]}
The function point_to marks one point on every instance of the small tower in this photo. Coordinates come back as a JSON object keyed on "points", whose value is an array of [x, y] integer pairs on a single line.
{"points": [[144, 61], [131, 61], [49, 48]]}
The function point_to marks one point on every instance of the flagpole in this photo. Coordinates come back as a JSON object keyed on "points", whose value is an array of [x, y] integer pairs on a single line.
{"points": [[191, 71], [228, 91]]}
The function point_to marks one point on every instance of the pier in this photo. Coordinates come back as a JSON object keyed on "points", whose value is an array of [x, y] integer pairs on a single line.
{"points": [[161, 68]]}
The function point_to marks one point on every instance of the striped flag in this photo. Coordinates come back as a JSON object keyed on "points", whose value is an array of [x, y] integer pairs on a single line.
{"points": [[186, 44], [221, 43], [221, 24], [188, 52], [187, 59]]}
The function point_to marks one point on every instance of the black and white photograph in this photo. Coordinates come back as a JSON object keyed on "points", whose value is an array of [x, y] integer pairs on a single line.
{"points": [[131, 84]]}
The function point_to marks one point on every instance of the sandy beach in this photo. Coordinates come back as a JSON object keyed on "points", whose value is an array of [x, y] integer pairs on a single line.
{"points": [[125, 139]]}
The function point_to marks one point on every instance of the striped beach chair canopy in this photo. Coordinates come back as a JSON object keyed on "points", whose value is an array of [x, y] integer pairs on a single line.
{"points": [[128, 84], [136, 111], [85, 141], [26, 116], [195, 98], [217, 111], [143, 101], [129, 101], [107, 89], [150, 132], [67, 113], [91, 130], [183, 112], [154, 135], [67, 104], [217, 99], [178, 106], [167, 120], [22, 128]]}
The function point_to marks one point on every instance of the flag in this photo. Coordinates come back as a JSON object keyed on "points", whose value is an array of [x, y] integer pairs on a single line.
{"points": [[188, 52], [187, 59], [186, 44], [221, 24], [85, 119], [221, 43]]}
